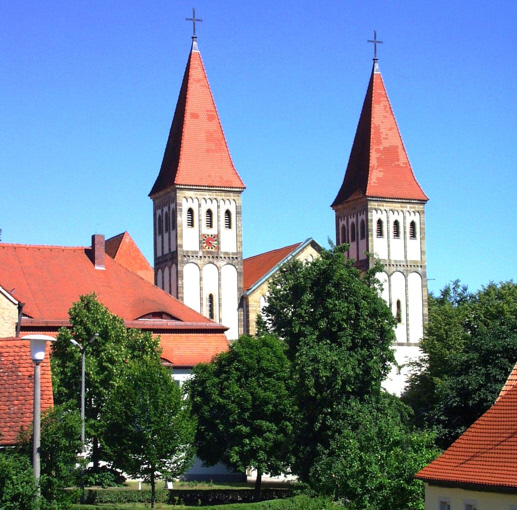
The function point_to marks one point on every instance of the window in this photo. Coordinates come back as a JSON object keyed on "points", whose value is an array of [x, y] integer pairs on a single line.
{"points": [[209, 219], [362, 230], [380, 228], [444, 505], [412, 230], [227, 219], [160, 226], [471, 506], [399, 311], [396, 229], [166, 221], [352, 233], [211, 312], [344, 238], [190, 218]]}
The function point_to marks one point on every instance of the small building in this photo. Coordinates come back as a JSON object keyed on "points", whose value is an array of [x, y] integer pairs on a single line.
{"points": [[479, 470]]}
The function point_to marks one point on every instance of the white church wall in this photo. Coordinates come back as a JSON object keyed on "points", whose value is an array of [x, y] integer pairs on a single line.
{"points": [[397, 378], [166, 280], [380, 243], [228, 235], [166, 228], [413, 244], [173, 242], [207, 204], [159, 278], [230, 301], [396, 243], [398, 301], [190, 234], [174, 280], [159, 232], [211, 286], [385, 290], [415, 313], [362, 221], [192, 286]]}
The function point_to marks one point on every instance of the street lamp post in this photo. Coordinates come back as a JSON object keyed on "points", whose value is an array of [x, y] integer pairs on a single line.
{"points": [[38, 344]]}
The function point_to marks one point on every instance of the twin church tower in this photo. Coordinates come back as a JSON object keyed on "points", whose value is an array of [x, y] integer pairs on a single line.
{"points": [[379, 210]]}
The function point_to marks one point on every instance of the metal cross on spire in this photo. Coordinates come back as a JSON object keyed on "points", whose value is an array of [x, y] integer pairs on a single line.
{"points": [[375, 42], [193, 19]]}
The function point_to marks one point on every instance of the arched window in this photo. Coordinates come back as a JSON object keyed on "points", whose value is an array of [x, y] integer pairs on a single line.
{"points": [[190, 217], [399, 312], [160, 225], [380, 228], [396, 229], [344, 238], [412, 230], [352, 233], [166, 221], [211, 310], [209, 219], [362, 230], [227, 219], [173, 219]]}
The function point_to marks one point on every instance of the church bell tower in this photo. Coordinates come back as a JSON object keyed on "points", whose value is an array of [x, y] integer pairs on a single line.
{"points": [[197, 207], [379, 212]]}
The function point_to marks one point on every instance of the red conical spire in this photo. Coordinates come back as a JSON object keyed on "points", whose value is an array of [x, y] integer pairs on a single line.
{"points": [[196, 153], [378, 166]]}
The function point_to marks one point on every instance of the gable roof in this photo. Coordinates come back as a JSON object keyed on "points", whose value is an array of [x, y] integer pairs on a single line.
{"points": [[49, 279], [378, 166], [17, 383], [485, 454], [196, 153], [123, 249], [258, 268]]}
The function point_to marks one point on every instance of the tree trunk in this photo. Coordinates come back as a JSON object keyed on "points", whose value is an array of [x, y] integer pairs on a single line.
{"points": [[258, 481], [153, 488]]}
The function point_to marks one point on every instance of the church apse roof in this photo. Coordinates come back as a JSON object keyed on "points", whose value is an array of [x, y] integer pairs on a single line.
{"points": [[196, 153], [378, 166]]}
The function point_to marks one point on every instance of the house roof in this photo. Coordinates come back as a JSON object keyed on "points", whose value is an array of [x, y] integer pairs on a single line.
{"points": [[378, 166], [257, 268], [485, 454], [49, 279], [123, 249], [17, 383], [188, 349], [196, 153]]}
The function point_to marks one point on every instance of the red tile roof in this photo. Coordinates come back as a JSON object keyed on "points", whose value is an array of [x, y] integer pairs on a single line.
{"points": [[256, 267], [510, 383], [186, 350], [49, 279], [123, 249], [378, 166], [196, 153], [17, 384], [485, 454]]}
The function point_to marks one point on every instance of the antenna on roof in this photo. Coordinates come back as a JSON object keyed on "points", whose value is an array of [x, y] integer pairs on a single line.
{"points": [[375, 41], [193, 19]]}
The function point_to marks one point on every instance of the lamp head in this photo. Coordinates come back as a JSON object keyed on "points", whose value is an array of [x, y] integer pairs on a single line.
{"points": [[38, 343]]}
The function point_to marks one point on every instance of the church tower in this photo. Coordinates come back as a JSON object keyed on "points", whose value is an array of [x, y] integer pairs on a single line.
{"points": [[379, 212], [197, 207]]}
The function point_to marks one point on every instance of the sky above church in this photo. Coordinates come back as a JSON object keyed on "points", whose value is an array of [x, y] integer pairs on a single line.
{"points": [[88, 91]]}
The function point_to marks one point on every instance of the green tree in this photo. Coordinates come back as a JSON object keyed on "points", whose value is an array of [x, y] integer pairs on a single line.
{"points": [[148, 429], [243, 405], [469, 349], [17, 485], [106, 357], [339, 333]]}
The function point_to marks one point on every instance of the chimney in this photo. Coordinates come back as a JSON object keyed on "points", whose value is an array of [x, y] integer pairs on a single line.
{"points": [[98, 250]]}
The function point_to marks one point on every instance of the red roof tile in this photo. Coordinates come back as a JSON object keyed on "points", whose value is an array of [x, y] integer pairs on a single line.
{"points": [[123, 249], [510, 382], [254, 268], [378, 166], [485, 454], [196, 153], [17, 384], [49, 279], [186, 350]]}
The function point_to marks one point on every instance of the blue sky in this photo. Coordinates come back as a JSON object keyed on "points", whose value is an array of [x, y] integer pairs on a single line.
{"points": [[88, 90]]}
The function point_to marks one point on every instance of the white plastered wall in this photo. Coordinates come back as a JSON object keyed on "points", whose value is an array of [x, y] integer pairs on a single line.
{"points": [[192, 286], [190, 234], [414, 251], [159, 278], [173, 221], [166, 280], [212, 205], [398, 293], [361, 217], [228, 235], [159, 227], [398, 376], [174, 280], [396, 244], [211, 286], [166, 229], [415, 312], [230, 301], [380, 244]]}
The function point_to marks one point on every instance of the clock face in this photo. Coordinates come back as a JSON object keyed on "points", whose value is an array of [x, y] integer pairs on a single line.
{"points": [[209, 241]]}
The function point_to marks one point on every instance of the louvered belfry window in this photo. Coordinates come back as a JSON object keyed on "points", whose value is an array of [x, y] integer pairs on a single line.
{"points": [[190, 218], [227, 219], [209, 218], [396, 229], [380, 228], [412, 230]]}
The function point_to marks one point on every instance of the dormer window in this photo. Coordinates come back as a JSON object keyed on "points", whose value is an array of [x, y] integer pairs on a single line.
{"points": [[396, 229], [412, 230], [157, 316], [209, 220], [190, 217], [227, 219], [380, 228]]}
